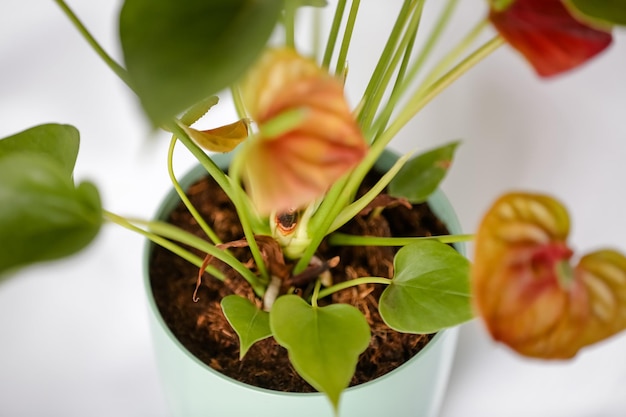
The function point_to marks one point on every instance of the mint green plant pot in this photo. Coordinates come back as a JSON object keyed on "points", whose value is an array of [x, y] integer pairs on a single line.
{"points": [[193, 389]]}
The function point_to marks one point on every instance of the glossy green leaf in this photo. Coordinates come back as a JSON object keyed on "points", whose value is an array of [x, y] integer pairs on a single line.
{"points": [[179, 52], [324, 343], [430, 290], [58, 142], [602, 11], [250, 323], [43, 215], [421, 176]]}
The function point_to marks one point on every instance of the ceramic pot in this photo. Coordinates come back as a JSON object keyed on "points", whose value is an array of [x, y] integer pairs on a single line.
{"points": [[193, 389]]}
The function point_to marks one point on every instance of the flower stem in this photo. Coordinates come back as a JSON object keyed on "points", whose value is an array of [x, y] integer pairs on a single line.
{"points": [[403, 50], [235, 93], [204, 160], [166, 231], [405, 78], [244, 218], [343, 190], [161, 241], [231, 188], [354, 208], [352, 283], [110, 62], [421, 98], [342, 239], [347, 36], [333, 34], [172, 232], [454, 54], [316, 29], [181, 194], [289, 22], [316, 293], [369, 108], [434, 36]]}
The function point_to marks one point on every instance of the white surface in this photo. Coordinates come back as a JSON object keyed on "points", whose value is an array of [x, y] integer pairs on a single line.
{"points": [[74, 338]]}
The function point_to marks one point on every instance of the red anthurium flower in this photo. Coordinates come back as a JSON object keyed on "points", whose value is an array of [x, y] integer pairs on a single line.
{"points": [[547, 34], [289, 167], [527, 292]]}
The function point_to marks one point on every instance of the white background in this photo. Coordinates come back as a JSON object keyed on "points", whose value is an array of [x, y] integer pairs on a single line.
{"points": [[73, 334]]}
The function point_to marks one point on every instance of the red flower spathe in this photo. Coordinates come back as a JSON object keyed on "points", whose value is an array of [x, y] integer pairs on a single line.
{"points": [[548, 36]]}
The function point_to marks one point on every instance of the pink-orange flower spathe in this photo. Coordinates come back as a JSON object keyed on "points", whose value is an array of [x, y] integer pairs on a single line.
{"points": [[527, 292], [547, 34], [295, 167]]}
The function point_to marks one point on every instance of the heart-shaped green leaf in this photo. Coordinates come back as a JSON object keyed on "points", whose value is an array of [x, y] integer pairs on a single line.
{"points": [[430, 289], [43, 215], [250, 323], [421, 176], [606, 11], [180, 52], [58, 142], [324, 343]]}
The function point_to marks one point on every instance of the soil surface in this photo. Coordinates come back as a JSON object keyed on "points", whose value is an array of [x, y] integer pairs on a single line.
{"points": [[203, 330]]}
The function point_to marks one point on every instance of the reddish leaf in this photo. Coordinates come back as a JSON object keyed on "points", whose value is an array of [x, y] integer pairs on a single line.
{"points": [[546, 33]]}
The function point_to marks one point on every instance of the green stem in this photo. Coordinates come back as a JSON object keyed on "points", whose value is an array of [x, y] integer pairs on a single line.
{"points": [[238, 101], [172, 232], [354, 208], [213, 170], [320, 222], [110, 62], [342, 239], [316, 33], [415, 104], [244, 218], [169, 231], [289, 22], [347, 36], [183, 196], [369, 109], [420, 99], [353, 283], [381, 122], [403, 50], [316, 293], [334, 32], [434, 37], [339, 195], [233, 191], [167, 244], [403, 81], [454, 54]]}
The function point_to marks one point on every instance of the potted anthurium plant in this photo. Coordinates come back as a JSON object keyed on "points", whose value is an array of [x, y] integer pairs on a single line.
{"points": [[302, 155]]}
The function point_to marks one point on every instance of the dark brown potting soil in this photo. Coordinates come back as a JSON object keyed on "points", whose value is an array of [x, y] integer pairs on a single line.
{"points": [[203, 330]]}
